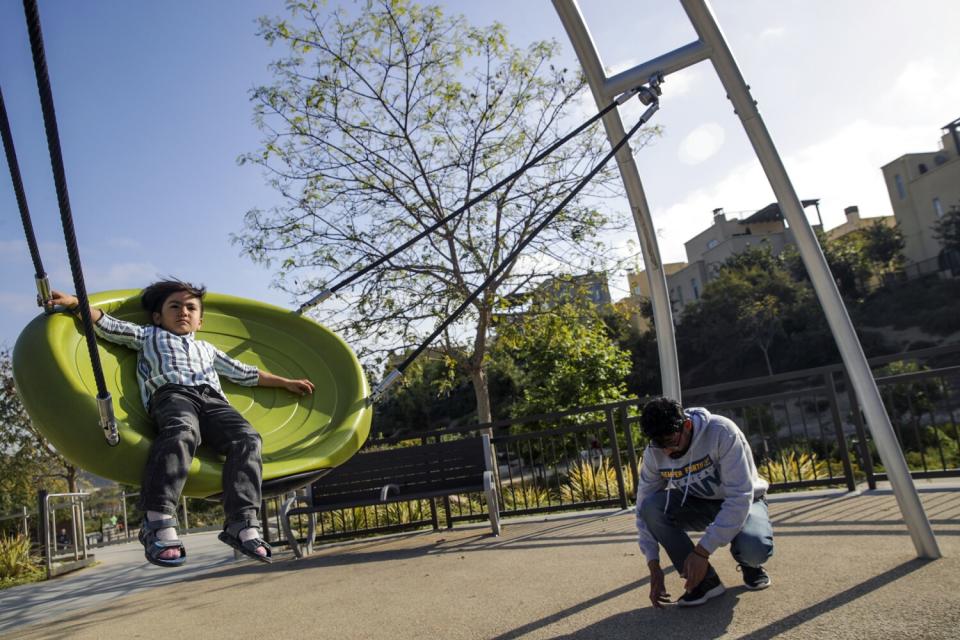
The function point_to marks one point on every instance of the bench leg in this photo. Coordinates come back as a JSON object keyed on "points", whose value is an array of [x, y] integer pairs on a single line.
{"points": [[493, 505], [284, 517]]}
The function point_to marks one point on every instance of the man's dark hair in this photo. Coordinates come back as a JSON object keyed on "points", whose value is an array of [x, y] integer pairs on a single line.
{"points": [[661, 417], [153, 297]]}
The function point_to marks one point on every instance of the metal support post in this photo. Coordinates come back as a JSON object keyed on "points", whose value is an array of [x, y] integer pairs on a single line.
{"points": [[593, 70], [826, 289]]}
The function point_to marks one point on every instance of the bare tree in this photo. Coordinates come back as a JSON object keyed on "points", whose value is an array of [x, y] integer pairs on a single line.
{"points": [[382, 124]]}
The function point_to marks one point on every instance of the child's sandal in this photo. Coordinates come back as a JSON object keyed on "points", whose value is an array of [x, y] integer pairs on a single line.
{"points": [[153, 546], [247, 547]]}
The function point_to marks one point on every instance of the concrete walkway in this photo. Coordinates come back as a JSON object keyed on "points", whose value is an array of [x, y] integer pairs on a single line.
{"points": [[844, 568]]}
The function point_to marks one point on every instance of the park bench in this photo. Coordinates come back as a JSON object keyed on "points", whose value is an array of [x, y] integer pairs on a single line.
{"points": [[369, 478]]}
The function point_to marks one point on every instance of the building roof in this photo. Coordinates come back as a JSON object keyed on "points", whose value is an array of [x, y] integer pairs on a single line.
{"points": [[772, 213]]}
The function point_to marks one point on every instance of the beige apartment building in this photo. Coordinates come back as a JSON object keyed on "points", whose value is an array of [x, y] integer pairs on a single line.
{"points": [[853, 222], [922, 188]]}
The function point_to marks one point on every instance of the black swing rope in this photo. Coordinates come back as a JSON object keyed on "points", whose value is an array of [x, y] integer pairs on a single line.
{"points": [[394, 375], [104, 402], [43, 285], [323, 295]]}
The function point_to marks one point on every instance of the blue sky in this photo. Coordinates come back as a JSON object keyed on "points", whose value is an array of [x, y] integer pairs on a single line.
{"points": [[153, 110]]}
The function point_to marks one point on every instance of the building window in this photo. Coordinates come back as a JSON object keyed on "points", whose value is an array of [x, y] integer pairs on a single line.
{"points": [[714, 242], [901, 190], [696, 289], [937, 207], [680, 295]]}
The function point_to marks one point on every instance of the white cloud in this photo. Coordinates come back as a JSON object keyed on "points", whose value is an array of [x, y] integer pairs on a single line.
{"points": [[927, 89], [701, 144], [121, 243], [124, 275], [772, 32]]}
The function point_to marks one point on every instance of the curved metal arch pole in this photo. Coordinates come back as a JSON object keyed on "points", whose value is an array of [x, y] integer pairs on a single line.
{"points": [[705, 24], [662, 318]]}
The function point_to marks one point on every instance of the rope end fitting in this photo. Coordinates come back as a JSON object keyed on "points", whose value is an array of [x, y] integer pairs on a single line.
{"points": [[651, 92], [647, 93], [108, 422], [385, 384], [315, 300], [43, 294]]}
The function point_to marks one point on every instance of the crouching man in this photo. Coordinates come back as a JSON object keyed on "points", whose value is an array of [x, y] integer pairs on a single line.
{"points": [[698, 474]]}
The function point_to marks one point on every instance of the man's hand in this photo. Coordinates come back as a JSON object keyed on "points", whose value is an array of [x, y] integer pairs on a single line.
{"points": [[658, 592], [300, 387], [694, 570]]}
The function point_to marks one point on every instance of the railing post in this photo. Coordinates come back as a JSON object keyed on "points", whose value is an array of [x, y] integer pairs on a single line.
{"points": [[631, 447], [43, 528], [838, 426], [126, 525], [861, 434], [612, 432]]}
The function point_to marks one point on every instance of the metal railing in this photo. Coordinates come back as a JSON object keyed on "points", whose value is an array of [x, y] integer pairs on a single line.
{"points": [[805, 429], [63, 552]]}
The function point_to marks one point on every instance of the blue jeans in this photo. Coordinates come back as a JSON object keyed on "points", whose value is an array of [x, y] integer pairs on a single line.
{"points": [[183, 416], [752, 546]]}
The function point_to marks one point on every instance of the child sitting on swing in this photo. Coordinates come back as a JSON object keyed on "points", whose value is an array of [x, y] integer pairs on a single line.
{"points": [[180, 388]]}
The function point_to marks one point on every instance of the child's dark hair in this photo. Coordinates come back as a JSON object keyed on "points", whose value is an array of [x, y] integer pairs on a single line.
{"points": [[661, 417], [153, 297]]}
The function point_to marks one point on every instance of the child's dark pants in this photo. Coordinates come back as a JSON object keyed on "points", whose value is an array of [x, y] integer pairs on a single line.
{"points": [[184, 416]]}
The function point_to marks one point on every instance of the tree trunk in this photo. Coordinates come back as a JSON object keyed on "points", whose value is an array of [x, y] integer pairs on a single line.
{"points": [[72, 474], [766, 359], [482, 392], [477, 374]]}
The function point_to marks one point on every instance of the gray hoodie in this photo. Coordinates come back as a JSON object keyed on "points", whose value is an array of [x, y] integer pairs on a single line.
{"points": [[717, 466]]}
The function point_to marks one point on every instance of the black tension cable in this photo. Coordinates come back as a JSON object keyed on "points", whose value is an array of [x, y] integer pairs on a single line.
{"points": [[323, 295], [43, 284], [104, 402], [394, 375]]}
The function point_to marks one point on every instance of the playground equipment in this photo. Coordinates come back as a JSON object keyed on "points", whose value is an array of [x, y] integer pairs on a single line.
{"points": [[711, 45], [301, 435]]}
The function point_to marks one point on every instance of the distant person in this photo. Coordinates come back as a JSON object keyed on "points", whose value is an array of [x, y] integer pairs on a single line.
{"points": [[63, 540], [180, 388], [698, 474]]}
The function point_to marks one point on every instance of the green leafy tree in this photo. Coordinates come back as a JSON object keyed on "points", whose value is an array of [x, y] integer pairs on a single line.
{"points": [[883, 247], [27, 460], [560, 358], [380, 124], [855, 259], [947, 229], [752, 303]]}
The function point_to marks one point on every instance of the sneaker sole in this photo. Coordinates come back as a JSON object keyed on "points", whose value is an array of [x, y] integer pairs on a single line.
{"points": [[712, 593], [758, 587]]}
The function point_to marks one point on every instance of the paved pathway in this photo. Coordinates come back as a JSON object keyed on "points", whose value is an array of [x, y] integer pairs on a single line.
{"points": [[844, 568]]}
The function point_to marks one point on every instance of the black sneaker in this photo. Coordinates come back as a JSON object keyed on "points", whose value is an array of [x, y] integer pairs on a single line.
{"points": [[710, 587], [754, 578]]}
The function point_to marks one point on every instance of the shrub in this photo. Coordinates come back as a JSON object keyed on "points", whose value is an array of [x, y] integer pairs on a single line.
{"points": [[794, 468], [16, 565], [589, 482], [524, 496]]}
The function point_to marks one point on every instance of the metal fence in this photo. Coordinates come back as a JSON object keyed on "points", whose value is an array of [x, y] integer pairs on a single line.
{"points": [[805, 429]]}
